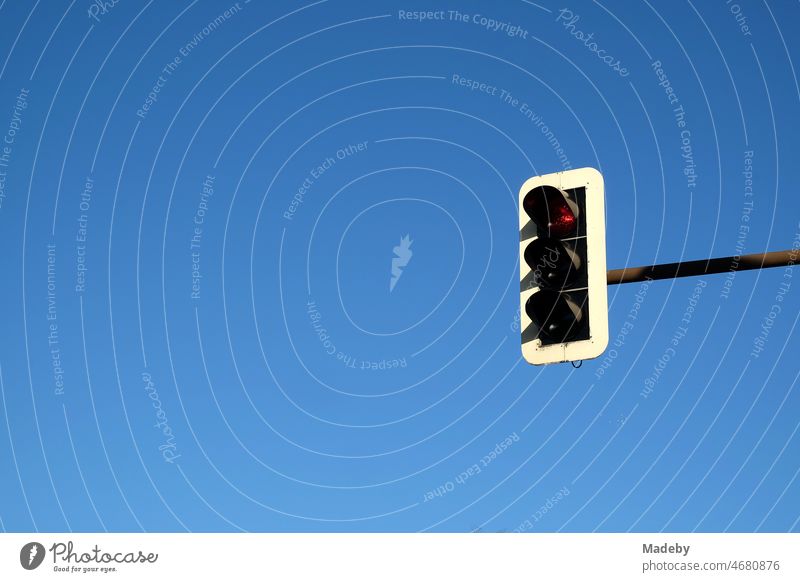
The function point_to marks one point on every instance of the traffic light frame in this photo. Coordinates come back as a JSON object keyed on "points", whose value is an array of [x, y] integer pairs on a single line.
{"points": [[563, 290]]}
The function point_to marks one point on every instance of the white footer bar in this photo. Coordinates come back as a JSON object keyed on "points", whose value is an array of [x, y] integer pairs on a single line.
{"points": [[407, 557]]}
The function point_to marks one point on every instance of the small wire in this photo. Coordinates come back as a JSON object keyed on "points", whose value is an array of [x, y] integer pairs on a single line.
{"points": [[580, 363]]}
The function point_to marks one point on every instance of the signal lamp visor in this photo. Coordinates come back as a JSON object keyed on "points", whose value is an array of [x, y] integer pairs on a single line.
{"points": [[554, 264], [557, 315]]}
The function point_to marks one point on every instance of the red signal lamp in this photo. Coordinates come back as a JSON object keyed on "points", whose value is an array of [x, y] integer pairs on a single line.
{"points": [[552, 211]]}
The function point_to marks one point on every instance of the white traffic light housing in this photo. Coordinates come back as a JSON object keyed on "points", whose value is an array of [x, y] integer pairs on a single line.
{"points": [[562, 248]]}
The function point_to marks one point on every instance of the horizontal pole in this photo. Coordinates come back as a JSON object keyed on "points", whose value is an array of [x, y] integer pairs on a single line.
{"points": [[703, 267]]}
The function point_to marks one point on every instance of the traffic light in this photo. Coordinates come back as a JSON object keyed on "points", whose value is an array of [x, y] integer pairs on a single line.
{"points": [[562, 246]]}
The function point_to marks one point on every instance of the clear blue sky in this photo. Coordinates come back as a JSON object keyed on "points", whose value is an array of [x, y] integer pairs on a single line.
{"points": [[200, 206]]}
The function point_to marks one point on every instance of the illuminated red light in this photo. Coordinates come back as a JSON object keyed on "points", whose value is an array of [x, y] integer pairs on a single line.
{"points": [[552, 211]]}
